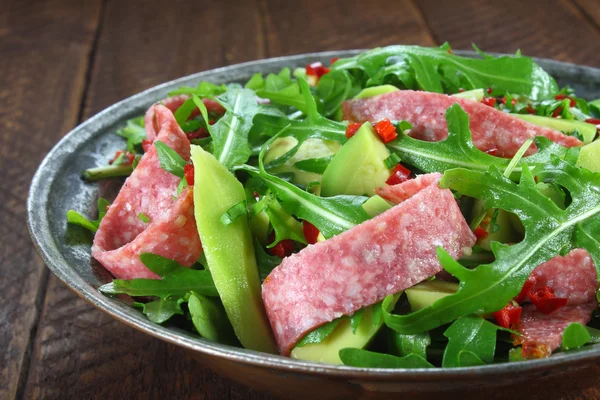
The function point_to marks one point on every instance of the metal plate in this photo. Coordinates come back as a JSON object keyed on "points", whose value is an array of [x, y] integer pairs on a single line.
{"points": [[56, 188]]}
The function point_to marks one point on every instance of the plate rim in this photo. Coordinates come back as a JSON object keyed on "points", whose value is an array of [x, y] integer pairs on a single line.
{"points": [[38, 226]]}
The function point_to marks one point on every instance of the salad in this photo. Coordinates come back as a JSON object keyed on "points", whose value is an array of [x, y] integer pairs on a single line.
{"points": [[402, 208]]}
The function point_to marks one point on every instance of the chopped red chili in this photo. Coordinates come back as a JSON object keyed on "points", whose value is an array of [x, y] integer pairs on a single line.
{"points": [[311, 233], [128, 157], [188, 172], [489, 90], [460, 90], [399, 174], [316, 69], [522, 296], [530, 109], [557, 112], [334, 59], [282, 249], [512, 101], [573, 103], [197, 134], [489, 101], [146, 144], [594, 121], [352, 128], [480, 233], [545, 301], [508, 316], [386, 130], [256, 196]]}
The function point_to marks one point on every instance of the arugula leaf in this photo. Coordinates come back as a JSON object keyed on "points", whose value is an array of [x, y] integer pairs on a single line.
{"points": [[266, 262], [368, 359], [284, 225], [169, 159], [279, 88], [209, 319], [403, 345], [549, 230], [184, 111], [331, 215], [134, 132], [575, 335], [204, 89], [431, 68], [319, 334], [314, 165], [177, 280], [73, 217], [391, 161], [333, 88], [143, 217], [471, 341], [230, 133], [458, 150], [161, 310], [235, 212]]}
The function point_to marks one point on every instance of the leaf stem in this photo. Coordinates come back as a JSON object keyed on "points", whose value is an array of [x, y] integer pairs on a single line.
{"points": [[110, 171]]}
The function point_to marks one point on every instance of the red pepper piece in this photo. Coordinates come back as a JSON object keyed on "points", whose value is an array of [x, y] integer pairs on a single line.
{"points": [[311, 233], [530, 109], [352, 128], [460, 90], [557, 112], [386, 130], [522, 296], [545, 301], [316, 69], [512, 101], [480, 233], [334, 59], [197, 134], [399, 174], [282, 249], [256, 196], [594, 121], [492, 152], [573, 103], [508, 316], [489, 101], [129, 157], [188, 172], [489, 90], [146, 144]]}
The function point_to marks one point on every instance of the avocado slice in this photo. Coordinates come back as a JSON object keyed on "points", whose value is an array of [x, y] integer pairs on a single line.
{"points": [[375, 91], [426, 293], [310, 148], [376, 205], [589, 156], [566, 126], [229, 251], [358, 168], [475, 94]]}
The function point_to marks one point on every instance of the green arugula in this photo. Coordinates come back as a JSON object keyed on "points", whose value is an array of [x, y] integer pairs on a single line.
{"points": [[314, 165], [368, 359], [458, 150], [279, 88], [437, 70], [209, 319], [266, 262], [284, 225], [176, 281], [161, 310], [75, 218], [574, 336], [236, 211], [319, 334], [169, 159], [134, 132], [204, 89], [471, 341], [333, 88], [549, 231], [402, 345]]}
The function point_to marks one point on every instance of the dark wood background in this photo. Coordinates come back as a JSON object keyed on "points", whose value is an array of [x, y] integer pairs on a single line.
{"points": [[62, 61]]}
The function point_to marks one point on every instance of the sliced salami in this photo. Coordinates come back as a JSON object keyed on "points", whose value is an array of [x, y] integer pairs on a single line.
{"points": [[359, 267], [572, 277], [150, 190], [405, 190], [152, 124], [492, 130]]}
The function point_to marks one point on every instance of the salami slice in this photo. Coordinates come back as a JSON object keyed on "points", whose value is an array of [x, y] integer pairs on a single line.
{"points": [[171, 230], [572, 277], [359, 267], [492, 130], [405, 190], [152, 124]]}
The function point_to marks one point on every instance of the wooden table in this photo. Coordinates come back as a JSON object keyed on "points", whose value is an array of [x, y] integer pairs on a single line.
{"points": [[63, 61]]}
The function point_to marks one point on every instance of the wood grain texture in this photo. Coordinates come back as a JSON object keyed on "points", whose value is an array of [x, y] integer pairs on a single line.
{"points": [[550, 28], [590, 9], [44, 49]]}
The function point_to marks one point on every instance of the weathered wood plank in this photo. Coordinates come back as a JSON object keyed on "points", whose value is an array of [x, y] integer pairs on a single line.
{"points": [[38, 105]]}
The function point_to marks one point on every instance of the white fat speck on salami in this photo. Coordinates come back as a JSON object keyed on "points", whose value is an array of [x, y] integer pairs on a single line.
{"points": [[573, 277], [359, 267], [123, 236], [492, 130]]}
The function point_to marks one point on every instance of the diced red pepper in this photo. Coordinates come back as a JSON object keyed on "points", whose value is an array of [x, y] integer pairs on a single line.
{"points": [[530, 109], [334, 59], [146, 144], [188, 172], [316, 69], [129, 157], [573, 103], [492, 152], [489, 101], [386, 130], [480, 233], [557, 112], [282, 249], [594, 121], [311, 233], [508, 316], [197, 134], [512, 101], [352, 128], [256, 196], [211, 121], [545, 301], [522, 296], [489, 90], [460, 90], [399, 174]]}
